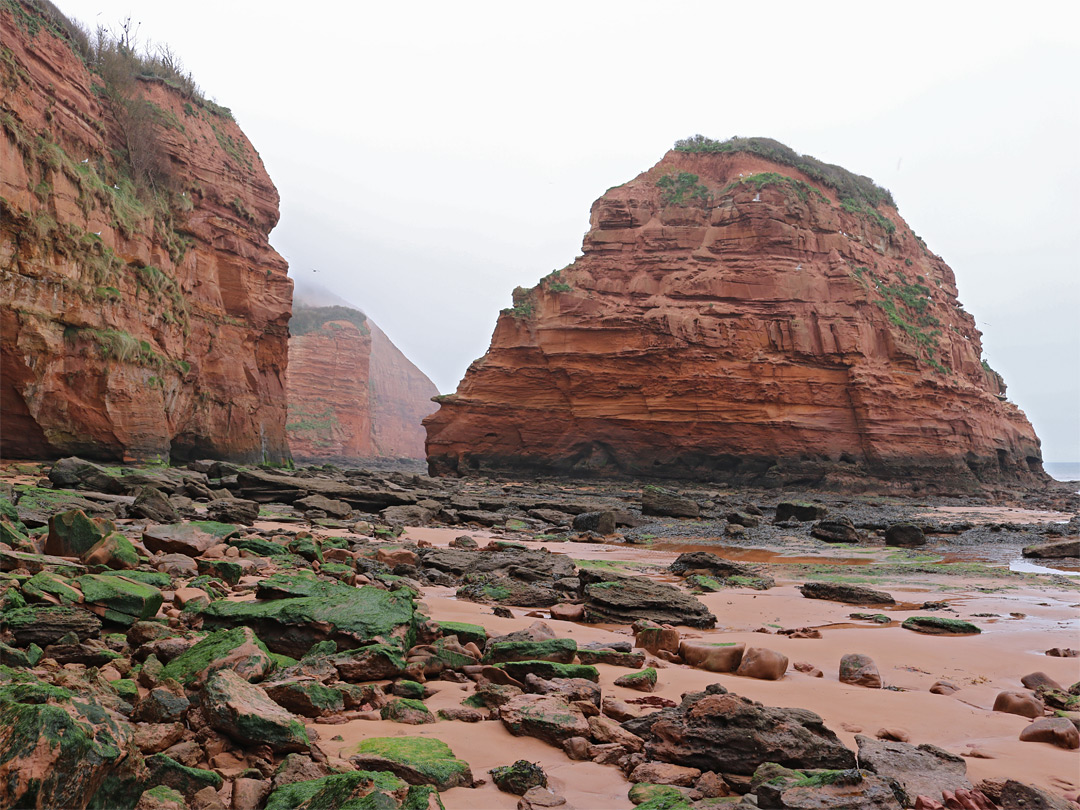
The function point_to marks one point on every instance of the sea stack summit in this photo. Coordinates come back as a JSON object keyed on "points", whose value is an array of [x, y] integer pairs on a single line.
{"points": [[742, 313]]}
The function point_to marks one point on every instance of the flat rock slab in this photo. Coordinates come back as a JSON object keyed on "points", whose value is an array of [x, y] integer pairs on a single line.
{"points": [[1059, 549], [626, 599], [923, 770], [178, 538], [416, 760], [848, 594], [547, 717]]}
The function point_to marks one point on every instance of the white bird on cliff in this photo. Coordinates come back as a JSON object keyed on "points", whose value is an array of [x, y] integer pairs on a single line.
{"points": [[799, 267], [86, 160], [757, 197]]}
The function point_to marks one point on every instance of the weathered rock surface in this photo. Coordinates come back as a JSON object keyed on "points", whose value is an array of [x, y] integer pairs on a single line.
{"points": [[625, 599], [848, 594], [245, 712], [739, 319], [135, 324], [923, 770], [716, 731]]}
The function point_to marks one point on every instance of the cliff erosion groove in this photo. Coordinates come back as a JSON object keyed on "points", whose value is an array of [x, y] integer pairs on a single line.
{"points": [[144, 311], [741, 314]]}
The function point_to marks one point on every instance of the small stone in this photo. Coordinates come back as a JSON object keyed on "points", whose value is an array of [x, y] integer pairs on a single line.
{"points": [[859, 670]]}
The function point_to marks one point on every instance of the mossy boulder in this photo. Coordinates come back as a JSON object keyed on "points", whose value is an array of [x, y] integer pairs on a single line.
{"points": [[47, 624], [14, 657], [548, 670], [73, 533], [238, 649], [417, 760], [557, 650], [648, 795], [306, 547], [246, 713], [372, 663], [644, 681], [156, 579], [114, 551], [465, 632], [257, 546], [161, 798], [225, 570], [939, 626], [44, 584], [56, 751], [353, 617], [547, 717], [614, 658], [405, 710], [306, 697], [165, 770], [120, 599], [408, 689], [296, 584], [342, 790], [519, 777]]}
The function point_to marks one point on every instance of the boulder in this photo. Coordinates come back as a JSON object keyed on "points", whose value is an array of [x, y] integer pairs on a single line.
{"points": [[657, 501], [246, 713], [73, 533], [725, 733], [763, 664], [599, 522], [332, 507], [838, 529], [178, 538], [409, 712], [654, 638], [664, 773], [352, 617], [59, 752], [237, 649], [848, 594], [859, 670], [644, 681], [519, 777], [851, 789], [800, 511], [47, 624], [113, 551], [233, 510], [619, 599], [905, 535], [162, 704], [939, 626], [76, 473], [372, 663], [119, 599], [1018, 796], [1059, 731], [559, 650], [416, 760], [151, 504], [1024, 704], [1056, 550], [923, 770], [363, 788], [547, 717]]}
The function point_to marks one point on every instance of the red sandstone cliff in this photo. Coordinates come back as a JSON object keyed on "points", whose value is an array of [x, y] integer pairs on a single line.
{"points": [[736, 318], [136, 322], [352, 394]]}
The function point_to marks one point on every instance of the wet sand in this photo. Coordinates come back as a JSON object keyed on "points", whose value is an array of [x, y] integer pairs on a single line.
{"points": [[909, 662]]}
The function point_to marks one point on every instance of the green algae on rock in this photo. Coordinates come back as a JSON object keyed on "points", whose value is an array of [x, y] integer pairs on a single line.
{"points": [[353, 617], [73, 747], [46, 624], [238, 649], [408, 711], [939, 625], [340, 790], [556, 650], [465, 632], [247, 714], [548, 670], [123, 600], [519, 777], [417, 760], [644, 681]]}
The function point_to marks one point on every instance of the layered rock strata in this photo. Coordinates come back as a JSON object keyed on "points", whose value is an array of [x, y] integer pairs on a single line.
{"points": [[139, 319], [352, 394], [742, 314]]}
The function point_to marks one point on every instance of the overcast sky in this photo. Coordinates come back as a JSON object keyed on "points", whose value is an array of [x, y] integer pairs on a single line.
{"points": [[432, 156]]}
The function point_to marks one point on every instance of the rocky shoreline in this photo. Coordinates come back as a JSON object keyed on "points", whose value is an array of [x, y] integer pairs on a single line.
{"points": [[237, 637]]}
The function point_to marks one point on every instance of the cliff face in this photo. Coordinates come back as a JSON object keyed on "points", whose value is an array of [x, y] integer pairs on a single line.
{"points": [[137, 322], [737, 319], [352, 394]]}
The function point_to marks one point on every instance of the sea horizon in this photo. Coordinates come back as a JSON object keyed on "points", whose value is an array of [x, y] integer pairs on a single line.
{"points": [[1063, 470]]}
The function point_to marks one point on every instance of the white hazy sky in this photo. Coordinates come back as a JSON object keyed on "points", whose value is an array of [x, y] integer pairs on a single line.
{"points": [[431, 156]]}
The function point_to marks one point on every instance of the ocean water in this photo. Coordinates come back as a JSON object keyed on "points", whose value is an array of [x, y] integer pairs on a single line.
{"points": [[1063, 470]]}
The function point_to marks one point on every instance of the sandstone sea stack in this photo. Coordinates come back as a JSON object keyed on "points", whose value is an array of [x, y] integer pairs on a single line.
{"points": [[144, 311], [352, 394], [741, 313]]}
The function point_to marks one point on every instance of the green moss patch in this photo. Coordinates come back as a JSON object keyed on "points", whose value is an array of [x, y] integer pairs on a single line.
{"points": [[425, 760], [125, 600], [465, 632], [939, 625], [342, 791], [548, 669], [558, 650]]}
